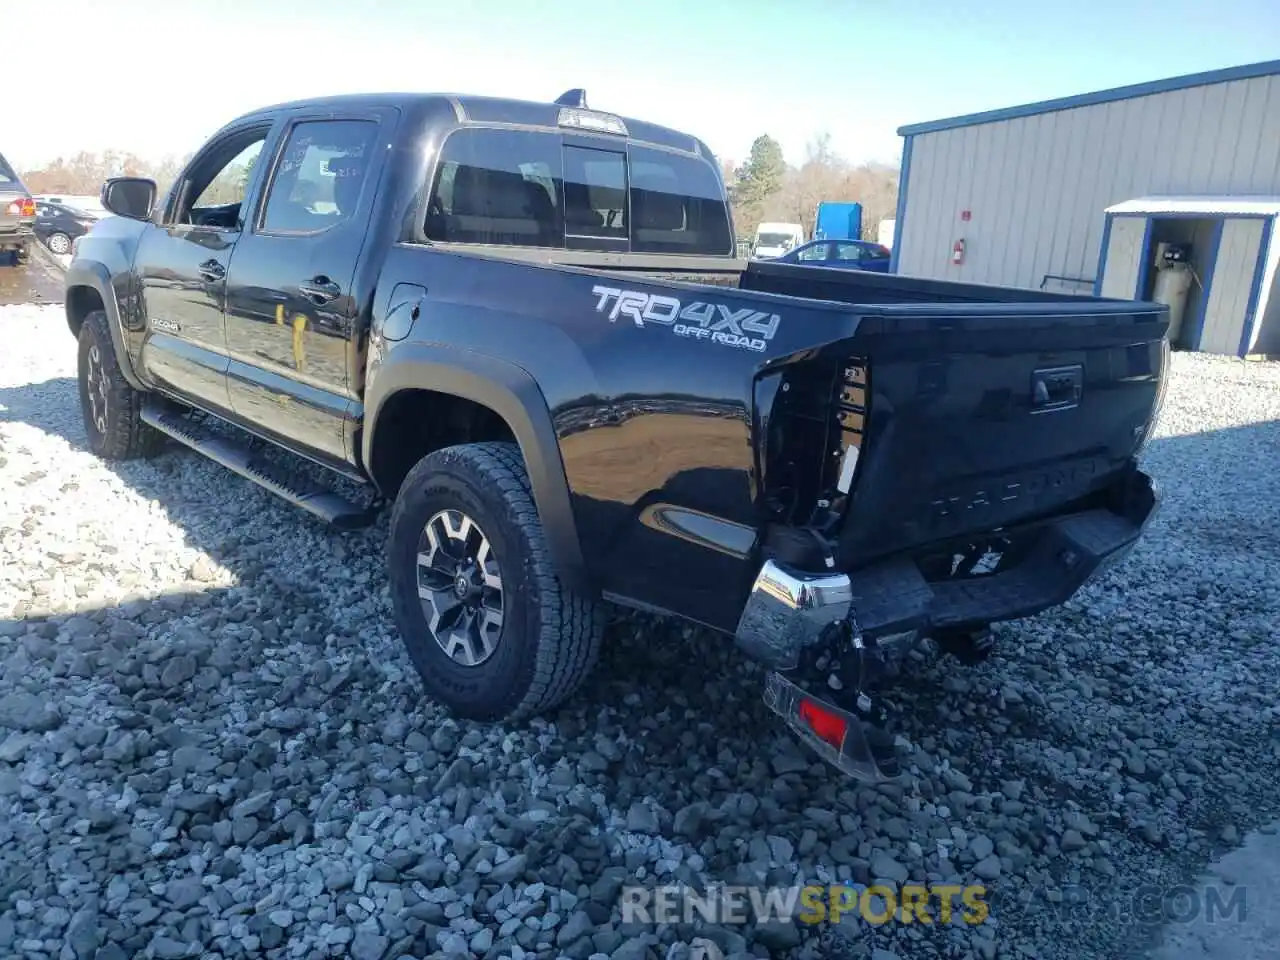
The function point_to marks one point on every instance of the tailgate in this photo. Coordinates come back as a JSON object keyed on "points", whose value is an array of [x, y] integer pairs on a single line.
{"points": [[980, 416]]}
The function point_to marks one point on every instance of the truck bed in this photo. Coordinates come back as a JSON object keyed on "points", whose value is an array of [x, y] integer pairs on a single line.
{"points": [[973, 409], [787, 279]]}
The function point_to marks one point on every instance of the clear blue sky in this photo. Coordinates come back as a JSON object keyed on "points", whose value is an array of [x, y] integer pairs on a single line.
{"points": [[157, 76]]}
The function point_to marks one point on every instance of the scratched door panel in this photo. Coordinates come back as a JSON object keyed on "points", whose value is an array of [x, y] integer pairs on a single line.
{"points": [[291, 309]]}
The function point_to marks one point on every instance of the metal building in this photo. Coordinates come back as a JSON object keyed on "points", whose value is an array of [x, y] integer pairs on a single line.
{"points": [[1088, 193]]}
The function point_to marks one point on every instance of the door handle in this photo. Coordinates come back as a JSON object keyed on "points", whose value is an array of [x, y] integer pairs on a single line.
{"points": [[212, 270], [320, 290]]}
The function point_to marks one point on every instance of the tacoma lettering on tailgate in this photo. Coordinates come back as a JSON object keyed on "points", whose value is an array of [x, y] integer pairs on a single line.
{"points": [[1071, 479]]}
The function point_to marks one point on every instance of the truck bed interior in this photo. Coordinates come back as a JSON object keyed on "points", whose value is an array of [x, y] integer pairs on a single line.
{"points": [[793, 280]]}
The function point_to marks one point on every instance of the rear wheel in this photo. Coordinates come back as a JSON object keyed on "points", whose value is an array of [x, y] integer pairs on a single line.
{"points": [[110, 407], [489, 627], [22, 254], [59, 243]]}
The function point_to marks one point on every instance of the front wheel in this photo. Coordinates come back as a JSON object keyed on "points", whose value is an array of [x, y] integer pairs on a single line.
{"points": [[110, 407], [492, 631], [59, 243]]}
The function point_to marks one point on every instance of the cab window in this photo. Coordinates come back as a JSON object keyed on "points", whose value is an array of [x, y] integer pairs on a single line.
{"points": [[524, 188], [677, 204], [497, 187]]}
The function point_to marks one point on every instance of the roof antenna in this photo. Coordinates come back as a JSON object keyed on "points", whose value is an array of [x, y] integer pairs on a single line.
{"points": [[577, 97]]}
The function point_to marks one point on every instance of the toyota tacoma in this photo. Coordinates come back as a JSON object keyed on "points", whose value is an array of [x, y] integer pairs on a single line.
{"points": [[522, 325]]}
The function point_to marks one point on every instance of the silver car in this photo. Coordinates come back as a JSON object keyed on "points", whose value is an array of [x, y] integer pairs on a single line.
{"points": [[17, 214]]}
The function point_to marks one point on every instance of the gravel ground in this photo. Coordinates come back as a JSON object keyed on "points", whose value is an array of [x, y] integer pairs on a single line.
{"points": [[212, 744]]}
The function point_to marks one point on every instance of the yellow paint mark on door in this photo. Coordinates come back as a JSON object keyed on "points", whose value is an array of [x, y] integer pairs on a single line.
{"points": [[299, 352]]}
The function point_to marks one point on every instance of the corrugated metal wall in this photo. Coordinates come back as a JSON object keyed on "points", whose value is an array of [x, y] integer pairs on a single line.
{"points": [[1268, 306], [1037, 186], [1124, 261], [1224, 313]]}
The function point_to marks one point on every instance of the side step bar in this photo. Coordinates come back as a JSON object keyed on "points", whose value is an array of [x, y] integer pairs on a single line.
{"points": [[239, 458]]}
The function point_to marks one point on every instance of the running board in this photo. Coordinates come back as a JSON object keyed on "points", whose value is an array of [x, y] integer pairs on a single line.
{"points": [[239, 458]]}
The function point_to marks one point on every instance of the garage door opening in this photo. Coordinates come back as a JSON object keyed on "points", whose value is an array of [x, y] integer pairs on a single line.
{"points": [[1214, 260], [1178, 256]]}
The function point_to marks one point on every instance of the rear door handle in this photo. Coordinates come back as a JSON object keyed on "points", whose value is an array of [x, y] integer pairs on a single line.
{"points": [[212, 270], [320, 290]]}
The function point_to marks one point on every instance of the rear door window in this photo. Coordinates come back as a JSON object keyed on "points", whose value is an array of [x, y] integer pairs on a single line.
{"points": [[524, 188]]}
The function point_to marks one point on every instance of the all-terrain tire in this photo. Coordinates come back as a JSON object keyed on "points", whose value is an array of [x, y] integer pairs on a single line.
{"points": [[121, 435], [550, 636]]}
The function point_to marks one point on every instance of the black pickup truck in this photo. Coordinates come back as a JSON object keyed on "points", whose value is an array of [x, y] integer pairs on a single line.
{"points": [[523, 326]]}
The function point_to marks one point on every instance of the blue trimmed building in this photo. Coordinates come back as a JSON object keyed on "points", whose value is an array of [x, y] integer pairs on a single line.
{"points": [[1076, 194]]}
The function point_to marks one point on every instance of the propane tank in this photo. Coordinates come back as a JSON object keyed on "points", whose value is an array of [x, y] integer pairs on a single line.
{"points": [[1173, 284]]}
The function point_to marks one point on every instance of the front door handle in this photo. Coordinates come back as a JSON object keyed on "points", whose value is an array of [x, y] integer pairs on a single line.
{"points": [[320, 290], [212, 270]]}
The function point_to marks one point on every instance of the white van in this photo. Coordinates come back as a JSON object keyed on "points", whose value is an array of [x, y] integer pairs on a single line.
{"points": [[775, 239]]}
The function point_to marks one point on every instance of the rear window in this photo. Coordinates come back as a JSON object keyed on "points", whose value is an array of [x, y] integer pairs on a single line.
{"points": [[6, 172], [532, 189]]}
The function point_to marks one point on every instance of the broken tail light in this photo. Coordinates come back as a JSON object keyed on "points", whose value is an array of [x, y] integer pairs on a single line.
{"points": [[826, 724], [835, 735]]}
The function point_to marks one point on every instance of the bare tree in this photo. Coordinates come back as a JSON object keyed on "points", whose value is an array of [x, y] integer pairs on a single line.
{"points": [[822, 175], [84, 173]]}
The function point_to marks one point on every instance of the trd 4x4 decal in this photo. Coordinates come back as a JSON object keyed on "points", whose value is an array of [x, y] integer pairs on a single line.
{"points": [[717, 322]]}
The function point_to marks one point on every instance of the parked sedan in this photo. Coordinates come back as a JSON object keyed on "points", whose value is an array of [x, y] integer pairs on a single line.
{"points": [[58, 224], [843, 254]]}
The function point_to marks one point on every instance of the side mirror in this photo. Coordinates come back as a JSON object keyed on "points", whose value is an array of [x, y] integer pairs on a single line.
{"points": [[132, 197]]}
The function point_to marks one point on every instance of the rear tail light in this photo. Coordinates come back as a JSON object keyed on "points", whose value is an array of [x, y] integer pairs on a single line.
{"points": [[828, 725], [22, 208]]}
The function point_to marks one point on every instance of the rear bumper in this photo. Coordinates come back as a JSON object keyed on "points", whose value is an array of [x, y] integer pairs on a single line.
{"points": [[788, 609], [11, 237]]}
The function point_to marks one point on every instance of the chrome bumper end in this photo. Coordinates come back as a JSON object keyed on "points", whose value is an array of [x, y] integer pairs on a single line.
{"points": [[789, 610]]}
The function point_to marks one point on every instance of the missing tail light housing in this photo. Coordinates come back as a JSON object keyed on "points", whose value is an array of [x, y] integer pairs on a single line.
{"points": [[812, 418]]}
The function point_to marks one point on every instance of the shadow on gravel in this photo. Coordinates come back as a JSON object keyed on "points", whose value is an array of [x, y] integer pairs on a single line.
{"points": [[248, 557], [43, 406], [1094, 748]]}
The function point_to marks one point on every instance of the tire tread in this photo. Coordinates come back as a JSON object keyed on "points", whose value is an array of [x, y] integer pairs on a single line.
{"points": [[127, 436], [571, 626]]}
